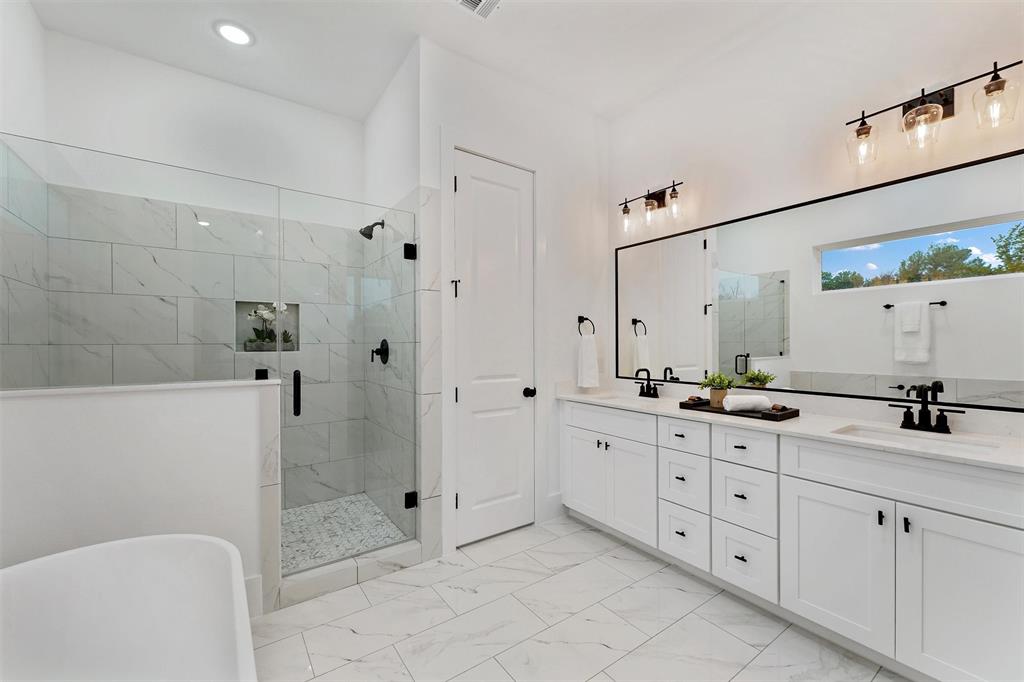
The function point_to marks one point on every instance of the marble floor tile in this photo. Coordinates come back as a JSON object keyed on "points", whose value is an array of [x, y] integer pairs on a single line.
{"points": [[562, 525], [457, 645], [885, 675], [798, 655], [574, 549], [632, 562], [692, 650], [569, 592], [488, 671], [574, 649], [507, 544], [383, 666], [601, 677], [284, 661], [659, 600], [292, 620], [755, 627], [351, 638], [493, 581], [406, 580]]}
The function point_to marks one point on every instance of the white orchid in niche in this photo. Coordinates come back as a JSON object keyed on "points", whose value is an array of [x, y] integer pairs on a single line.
{"points": [[267, 315]]}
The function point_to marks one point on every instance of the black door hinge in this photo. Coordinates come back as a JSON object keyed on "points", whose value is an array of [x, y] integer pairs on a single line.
{"points": [[412, 499], [456, 500], [456, 183], [456, 394], [410, 251], [455, 283], [705, 244]]}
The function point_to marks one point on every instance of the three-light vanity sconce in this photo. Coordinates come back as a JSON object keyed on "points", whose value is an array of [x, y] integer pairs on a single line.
{"points": [[995, 104], [666, 197]]}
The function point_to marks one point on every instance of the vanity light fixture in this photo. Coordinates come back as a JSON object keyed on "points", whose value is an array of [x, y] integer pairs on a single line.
{"points": [[650, 206], [995, 102], [921, 123], [625, 216], [653, 200], [673, 202], [233, 33], [862, 144]]}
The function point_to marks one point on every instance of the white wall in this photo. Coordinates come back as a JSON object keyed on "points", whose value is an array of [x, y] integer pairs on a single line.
{"points": [[391, 137], [22, 70], [467, 105], [108, 100], [82, 466]]}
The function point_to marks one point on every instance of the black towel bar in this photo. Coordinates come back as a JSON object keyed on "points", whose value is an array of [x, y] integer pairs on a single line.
{"points": [[890, 306]]}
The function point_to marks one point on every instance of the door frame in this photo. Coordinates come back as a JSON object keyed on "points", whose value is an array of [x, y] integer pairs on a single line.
{"points": [[453, 141]]}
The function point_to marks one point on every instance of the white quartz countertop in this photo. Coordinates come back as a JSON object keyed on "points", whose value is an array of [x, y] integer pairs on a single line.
{"points": [[994, 452]]}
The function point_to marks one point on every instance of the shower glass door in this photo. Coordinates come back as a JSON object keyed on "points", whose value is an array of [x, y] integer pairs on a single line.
{"points": [[753, 319], [344, 326]]}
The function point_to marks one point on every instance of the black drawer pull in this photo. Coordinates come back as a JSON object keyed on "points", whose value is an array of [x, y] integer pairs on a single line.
{"points": [[740, 557], [739, 496], [680, 435], [740, 447], [680, 478], [681, 533]]}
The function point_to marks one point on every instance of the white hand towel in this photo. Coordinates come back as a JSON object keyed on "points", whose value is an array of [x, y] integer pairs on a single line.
{"points": [[641, 353], [587, 376], [912, 346], [746, 403]]}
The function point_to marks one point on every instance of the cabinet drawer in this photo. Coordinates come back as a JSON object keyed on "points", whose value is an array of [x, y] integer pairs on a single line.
{"points": [[684, 479], [685, 534], [746, 497], [623, 423], [745, 559], [685, 435], [744, 446]]}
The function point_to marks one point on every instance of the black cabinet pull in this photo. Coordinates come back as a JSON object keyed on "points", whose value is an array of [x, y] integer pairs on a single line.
{"points": [[740, 557], [681, 533], [680, 435], [739, 496], [680, 478], [739, 447], [881, 518], [906, 524]]}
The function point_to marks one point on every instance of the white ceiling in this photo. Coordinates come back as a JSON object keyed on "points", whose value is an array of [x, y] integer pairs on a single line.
{"points": [[604, 55]]}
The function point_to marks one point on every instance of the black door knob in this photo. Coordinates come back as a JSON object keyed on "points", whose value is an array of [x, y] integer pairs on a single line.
{"points": [[529, 392]]}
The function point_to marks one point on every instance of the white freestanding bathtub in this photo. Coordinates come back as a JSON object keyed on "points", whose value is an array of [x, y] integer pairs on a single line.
{"points": [[162, 607]]}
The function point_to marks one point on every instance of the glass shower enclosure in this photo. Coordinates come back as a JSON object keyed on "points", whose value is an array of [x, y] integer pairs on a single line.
{"points": [[752, 319], [116, 271]]}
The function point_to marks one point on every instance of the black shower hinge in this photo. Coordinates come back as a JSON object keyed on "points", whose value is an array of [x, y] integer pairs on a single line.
{"points": [[410, 251], [705, 244], [456, 500], [412, 499], [456, 394], [456, 183]]}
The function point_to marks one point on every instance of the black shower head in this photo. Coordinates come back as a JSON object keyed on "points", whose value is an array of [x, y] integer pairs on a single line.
{"points": [[368, 230]]}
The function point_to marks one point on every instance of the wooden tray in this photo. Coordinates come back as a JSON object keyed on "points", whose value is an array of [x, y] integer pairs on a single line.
{"points": [[705, 406]]}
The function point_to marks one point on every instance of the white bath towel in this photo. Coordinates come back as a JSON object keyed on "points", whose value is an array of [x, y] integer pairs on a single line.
{"points": [[746, 403], [587, 376], [641, 353], [912, 331]]}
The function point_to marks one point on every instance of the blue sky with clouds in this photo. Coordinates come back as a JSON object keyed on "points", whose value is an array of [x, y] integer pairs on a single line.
{"points": [[873, 259]]}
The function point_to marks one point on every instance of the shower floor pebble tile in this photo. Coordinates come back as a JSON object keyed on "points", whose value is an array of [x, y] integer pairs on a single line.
{"points": [[320, 533], [619, 615]]}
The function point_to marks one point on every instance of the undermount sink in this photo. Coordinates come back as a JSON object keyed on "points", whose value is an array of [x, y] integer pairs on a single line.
{"points": [[935, 442]]}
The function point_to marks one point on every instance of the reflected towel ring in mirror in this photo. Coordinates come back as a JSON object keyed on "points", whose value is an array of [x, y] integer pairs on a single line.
{"points": [[638, 321], [579, 324]]}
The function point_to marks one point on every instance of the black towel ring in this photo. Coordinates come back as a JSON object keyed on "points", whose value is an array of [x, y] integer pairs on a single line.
{"points": [[579, 326], [637, 321]]}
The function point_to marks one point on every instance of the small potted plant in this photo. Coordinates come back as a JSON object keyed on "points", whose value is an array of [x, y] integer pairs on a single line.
{"points": [[758, 378], [264, 337], [719, 385]]}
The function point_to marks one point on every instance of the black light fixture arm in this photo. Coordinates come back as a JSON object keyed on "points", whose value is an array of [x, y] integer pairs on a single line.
{"points": [[995, 69], [649, 193]]}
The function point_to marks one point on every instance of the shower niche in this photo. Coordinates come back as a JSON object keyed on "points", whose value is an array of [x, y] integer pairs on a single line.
{"points": [[266, 326]]}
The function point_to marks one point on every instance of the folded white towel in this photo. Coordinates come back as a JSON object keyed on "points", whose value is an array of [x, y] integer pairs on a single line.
{"points": [[912, 331], [746, 403], [641, 352], [587, 376]]}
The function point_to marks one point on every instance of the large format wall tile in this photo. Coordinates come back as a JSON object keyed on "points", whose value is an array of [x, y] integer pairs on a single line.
{"points": [[4, 307], [246, 364], [347, 439], [305, 445], [77, 265], [348, 361], [313, 243], [326, 403], [206, 320], [27, 313], [324, 481], [312, 360], [24, 366], [304, 282], [22, 251], [256, 279], [391, 409], [167, 363], [168, 272], [393, 319], [106, 318], [81, 365], [989, 392], [328, 323], [243, 234], [100, 216], [4, 195], [400, 372], [345, 285], [26, 192]]}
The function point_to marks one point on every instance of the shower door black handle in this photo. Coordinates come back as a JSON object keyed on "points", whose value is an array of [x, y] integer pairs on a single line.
{"points": [[736, 363], [296, 393]]}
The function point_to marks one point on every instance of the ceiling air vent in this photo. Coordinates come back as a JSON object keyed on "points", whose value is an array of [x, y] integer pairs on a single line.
{"points": [[481, 8]]}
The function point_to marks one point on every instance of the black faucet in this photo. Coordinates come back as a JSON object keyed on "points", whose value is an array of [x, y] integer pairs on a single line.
{"points": [[669, 375], [647, 390], [927, 394]]}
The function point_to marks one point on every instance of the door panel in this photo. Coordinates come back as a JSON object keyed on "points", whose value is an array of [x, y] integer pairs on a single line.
{"points": [[960, 596], [494, 346], [836, 560], [586, 471], [633, 489]]}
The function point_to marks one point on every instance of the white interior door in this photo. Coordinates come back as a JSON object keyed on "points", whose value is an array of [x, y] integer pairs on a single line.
{"points": [[494, 419], [682, 266]]}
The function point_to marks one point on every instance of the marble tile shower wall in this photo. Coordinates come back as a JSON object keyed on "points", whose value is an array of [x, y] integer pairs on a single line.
{"points": [[996, 392]]}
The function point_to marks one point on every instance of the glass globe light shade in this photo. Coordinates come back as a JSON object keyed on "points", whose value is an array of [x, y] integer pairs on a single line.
{"points": [[995, 103], [862, 144], [921, 125]]}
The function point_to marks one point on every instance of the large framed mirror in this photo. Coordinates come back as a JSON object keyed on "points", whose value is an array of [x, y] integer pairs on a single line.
{"points": [[860, 295]]}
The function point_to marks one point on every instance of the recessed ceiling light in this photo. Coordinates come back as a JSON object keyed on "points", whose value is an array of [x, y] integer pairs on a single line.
{"points": [[233, 33]]}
